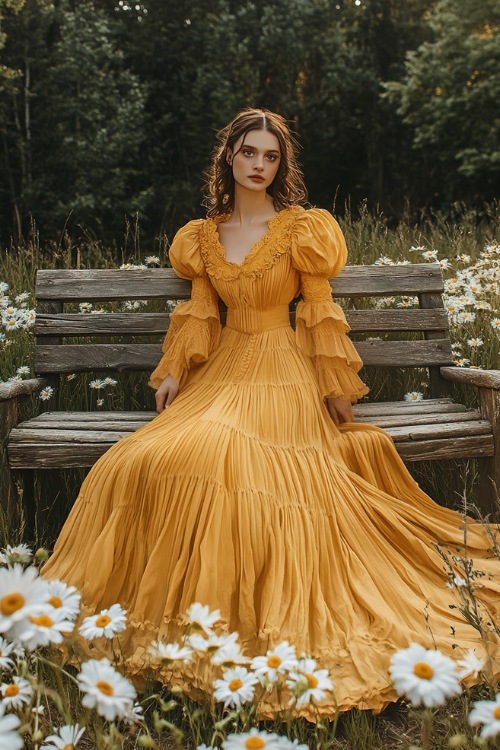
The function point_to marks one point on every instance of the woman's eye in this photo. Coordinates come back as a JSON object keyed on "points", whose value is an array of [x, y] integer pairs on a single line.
{"points": [[247, 151], [272, 157]]}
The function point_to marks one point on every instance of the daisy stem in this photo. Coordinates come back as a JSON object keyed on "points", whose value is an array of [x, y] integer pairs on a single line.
{"points": [[427, 717]]}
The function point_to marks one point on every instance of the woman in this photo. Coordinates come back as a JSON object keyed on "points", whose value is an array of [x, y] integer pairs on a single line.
{"points": [[254, 491]]}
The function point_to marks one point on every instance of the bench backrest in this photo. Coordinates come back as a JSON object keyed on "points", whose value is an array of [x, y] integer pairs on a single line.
{"points": [[431, 349]]}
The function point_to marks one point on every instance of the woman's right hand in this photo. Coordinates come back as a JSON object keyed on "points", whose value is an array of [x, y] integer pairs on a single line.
{"points": [[166, 393]]}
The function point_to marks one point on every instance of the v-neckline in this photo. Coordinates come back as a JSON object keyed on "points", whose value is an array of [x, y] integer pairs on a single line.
{"points": [[256, 245]]}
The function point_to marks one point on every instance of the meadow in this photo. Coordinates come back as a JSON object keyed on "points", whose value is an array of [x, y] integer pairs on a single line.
{"points": [[467, 246]]}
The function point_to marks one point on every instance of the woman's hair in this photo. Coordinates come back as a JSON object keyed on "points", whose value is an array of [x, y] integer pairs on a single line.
{"points": [[288, 186]]}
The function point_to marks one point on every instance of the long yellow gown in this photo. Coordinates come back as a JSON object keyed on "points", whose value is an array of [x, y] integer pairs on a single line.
{"points": [[245, 495]]}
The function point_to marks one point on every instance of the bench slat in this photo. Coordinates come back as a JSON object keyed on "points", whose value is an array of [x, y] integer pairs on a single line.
{"points": [[140, 357], [475, 446], [147, 324], [159, 283]]}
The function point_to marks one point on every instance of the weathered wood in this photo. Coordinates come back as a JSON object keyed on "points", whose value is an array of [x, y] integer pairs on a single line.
{"points": [[438, 385], [118, 425], [148, 324], [92, 285], [84, 417], [46, 307], [489, 468], [437, 431], [79, 437], [137, 357], [425, 406], [15, 388], [425, 419], [480, 378], [9, 497], [476, 446]]}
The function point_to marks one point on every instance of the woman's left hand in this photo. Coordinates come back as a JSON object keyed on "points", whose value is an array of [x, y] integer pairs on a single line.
{"points": [[340, 410]]}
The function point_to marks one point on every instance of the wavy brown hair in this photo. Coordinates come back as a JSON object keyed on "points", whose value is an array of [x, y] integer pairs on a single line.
{"points": [[287, 188]]}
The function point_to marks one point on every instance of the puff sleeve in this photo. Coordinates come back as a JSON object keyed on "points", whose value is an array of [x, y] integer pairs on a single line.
{"points": [[195, 327], [319, 252]]}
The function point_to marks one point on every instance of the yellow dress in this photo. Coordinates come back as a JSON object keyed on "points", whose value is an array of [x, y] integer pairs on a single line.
{"points": [[245, 495]]}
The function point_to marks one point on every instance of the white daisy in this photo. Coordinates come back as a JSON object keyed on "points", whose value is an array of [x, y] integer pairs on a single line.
{"points": [[198, 642], [253, 740], [457, 581], [67, 738], [50, 626], [105, 689], [85, 306], [200, 617], [17, 693], [276, 662], [236, 687], [475, 342], [413, 396], [100, 401], [9, 739], [23, 370], [6, 649], [153, 259], [424, 676], [97, 384], [487, 713], [135, 714], [470, 665], [110, 381], [46, 393], [169, 652], [64, 597], [107, 623], [22, 593], [229, 655], [71, 376], [495, 323], [308, 683], [18, 554]]}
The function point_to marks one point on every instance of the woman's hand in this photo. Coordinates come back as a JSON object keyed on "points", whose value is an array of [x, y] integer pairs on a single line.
{"points": [[166, 393], [340, 410]]}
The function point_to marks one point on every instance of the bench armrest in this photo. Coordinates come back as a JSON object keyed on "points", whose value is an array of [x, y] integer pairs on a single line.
{"points": [[479, 378], [14, 388]]}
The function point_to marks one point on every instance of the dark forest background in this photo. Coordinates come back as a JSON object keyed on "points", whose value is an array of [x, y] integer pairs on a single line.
{"points": [[108, 110]]}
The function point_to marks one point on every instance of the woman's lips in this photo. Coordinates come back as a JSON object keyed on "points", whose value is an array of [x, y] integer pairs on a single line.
{"points": [[256, 178]]}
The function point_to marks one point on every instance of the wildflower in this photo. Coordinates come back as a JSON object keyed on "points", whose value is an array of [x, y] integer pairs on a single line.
{"points": [[4, 287], [228, 655], [475, 342], [153, 259], [236, 687], [487, 713], [198, 642], [464, 258], [462, 362], [252, 740], [17, 693], [430, 254], [50, 626], [23, 370], [85, 307], [106, 623], [384, 260], [457, 581], [444, 263], [470, 665], [481, 305], [466, 317], [11, 324], [18, 554], [417, 248], [63, 597], [134, 714], [21, 297], [456, 345], [413, 396], [97, 384], [67, 736], [9, 739], [424, 676], [110, 381], [71, 376], [495, 323], [105, 689], [200, 617], [6, 649], [277, 661], [22, 593], [169, 652], [46, 393], [100, 401], [308, 683]]}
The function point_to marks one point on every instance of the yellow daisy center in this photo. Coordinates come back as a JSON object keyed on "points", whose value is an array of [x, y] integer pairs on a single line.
{"points": [[70, 746], [423, 670], [12, 690], [43, 621], [255, 743], [235, 684], [105, 687], [55, 602], [273, 662], [312, 681], [102, 621], [496, 712], [11, 603]]}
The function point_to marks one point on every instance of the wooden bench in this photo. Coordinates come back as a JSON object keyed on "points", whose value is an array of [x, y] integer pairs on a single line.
{"points": [[436, 428]]}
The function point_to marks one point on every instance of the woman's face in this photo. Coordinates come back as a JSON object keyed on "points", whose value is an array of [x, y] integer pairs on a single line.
{"points": [[255, 164]]}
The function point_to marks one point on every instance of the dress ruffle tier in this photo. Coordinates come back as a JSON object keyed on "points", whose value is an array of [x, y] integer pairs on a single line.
{"points": [[245, 496]]}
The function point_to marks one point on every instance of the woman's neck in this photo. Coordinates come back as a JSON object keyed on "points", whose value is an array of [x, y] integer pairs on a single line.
{"points": [[251, 206]]}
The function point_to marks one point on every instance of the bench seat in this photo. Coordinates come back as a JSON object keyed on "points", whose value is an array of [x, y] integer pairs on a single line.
{"points": [[430, 429]]}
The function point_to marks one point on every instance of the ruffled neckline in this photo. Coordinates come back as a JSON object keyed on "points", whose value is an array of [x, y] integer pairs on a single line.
{"points": [[254, 260]]}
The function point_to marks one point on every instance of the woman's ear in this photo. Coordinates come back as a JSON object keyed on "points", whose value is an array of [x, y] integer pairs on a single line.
{"points": [[229, 156]]}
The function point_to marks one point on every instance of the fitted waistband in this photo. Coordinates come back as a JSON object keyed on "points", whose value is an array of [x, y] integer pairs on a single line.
{"points": [[248, 320]]}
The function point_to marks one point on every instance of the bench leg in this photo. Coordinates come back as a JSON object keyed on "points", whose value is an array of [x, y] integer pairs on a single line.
{"points": [[11, 508], [489, 468]]}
